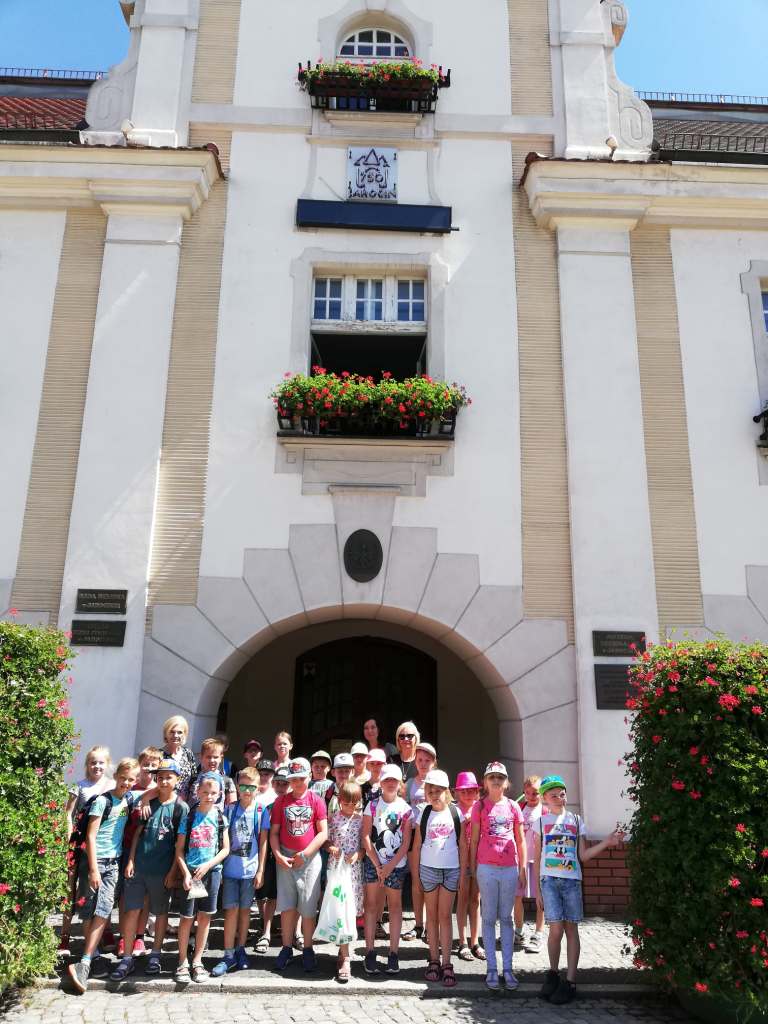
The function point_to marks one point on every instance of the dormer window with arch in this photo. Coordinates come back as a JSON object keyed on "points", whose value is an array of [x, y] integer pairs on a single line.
{"points": [[375, 44]]}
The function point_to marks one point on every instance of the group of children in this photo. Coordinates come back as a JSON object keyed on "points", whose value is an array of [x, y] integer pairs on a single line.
{"points": [[157, 830]]}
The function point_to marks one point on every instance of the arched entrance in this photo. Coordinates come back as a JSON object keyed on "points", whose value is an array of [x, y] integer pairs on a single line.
{"points": [[342, 683]]}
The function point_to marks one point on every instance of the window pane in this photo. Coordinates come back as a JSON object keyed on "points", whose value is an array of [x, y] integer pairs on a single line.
{"points": [[383, 51], [383, 37], [364, 50], [377, 310], [334, 309], [359, 310], [403, 311], [403, 289], [365, 37], [320, 284], [319, 309], [378, 287], [361, 289], [347, 50], [401, 51], [336, 288], [418, 289], [418, 311]]}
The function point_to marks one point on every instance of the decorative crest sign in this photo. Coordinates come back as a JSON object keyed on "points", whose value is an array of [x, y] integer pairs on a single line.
{"points": [[372, 174]]}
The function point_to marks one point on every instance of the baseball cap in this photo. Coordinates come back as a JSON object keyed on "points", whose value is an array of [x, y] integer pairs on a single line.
{"points": [[252, 743], [496, 768], [265, 765], [343, 761], [377, 755], [551, 782], [358, 748], [210, 777], [321, 755], [466, 780], [427, 747], [168, 765], [437, 777], [299, 768], [391, 771], [281, 775]]}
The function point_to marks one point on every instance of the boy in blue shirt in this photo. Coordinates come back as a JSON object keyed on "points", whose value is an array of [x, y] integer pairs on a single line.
{"points": [[243, 870], [99, 868], [148, 871], [202, 845]]}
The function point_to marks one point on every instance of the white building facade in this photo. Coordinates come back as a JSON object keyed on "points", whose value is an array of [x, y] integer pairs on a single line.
{"points": [[601, 300]]}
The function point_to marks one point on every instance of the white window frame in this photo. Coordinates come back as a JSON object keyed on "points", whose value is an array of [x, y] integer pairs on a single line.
{"points": [[349, 300], [411, 301], [353, 39]]}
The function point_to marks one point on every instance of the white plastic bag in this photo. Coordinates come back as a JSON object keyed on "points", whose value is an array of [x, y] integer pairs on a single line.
{"points": [[337, 922]]}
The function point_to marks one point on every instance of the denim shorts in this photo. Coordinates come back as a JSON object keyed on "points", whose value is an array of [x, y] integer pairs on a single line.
{"points": [[205, 905], [562, 899], [394, 879], [99, 902], [432, 878], [237, 893], [136, 888]]}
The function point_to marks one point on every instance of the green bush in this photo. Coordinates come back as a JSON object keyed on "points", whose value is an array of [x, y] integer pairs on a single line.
{"points": [[37, 742], [699, 851]]}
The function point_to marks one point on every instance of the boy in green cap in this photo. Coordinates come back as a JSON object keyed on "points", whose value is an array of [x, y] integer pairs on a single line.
{"points": [[560, 850]]}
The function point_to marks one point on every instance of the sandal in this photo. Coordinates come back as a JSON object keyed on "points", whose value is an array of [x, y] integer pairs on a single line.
{"points": [[414, 933], [448, 976], [432, 972], [380, 932], [153, 964], [478, 952], [181, 975], [465, 953], [262, 945], [199, 973], [343, 971]]}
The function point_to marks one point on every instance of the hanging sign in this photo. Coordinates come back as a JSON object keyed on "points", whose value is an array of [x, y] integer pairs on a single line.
{"points": [[372, 174]]}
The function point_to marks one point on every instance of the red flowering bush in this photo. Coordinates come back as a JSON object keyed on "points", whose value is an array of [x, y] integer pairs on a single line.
{"points": [[360, 74], [332, 396], [699, 851], [36, 739]]}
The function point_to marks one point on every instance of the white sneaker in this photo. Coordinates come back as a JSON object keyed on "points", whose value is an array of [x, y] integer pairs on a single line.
{"points": [[520, 939]]}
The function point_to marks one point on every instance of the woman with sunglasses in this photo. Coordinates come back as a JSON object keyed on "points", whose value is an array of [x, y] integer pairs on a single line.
{"points": [[406, 737]]}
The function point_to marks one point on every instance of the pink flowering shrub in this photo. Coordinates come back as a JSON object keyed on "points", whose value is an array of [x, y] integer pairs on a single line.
{"points": [[699, 851], [36, 739]]}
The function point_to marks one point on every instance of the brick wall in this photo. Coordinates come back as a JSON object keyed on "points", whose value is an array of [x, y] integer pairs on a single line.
{"points": [[606, 883]]}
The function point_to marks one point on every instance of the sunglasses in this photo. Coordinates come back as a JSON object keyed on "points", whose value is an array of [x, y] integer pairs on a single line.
{"points": [[410, 736], [246, 787]]}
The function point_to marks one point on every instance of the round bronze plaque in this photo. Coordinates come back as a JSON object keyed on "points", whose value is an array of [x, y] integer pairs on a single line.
{"points": [[363, 556]]}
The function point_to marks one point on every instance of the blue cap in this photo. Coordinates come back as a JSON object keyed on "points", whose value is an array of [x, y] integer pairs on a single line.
{"points": [[169, 765], [211, 777]]}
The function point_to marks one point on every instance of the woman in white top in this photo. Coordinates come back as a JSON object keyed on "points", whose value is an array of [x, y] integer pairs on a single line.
{"points": [[442, 858]]}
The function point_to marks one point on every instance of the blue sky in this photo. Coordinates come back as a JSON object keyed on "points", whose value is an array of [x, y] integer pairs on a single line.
{"points": [[682, 45]]}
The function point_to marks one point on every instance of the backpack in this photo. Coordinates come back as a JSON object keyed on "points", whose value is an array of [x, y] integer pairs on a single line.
{"points": [[425, 822], [80, 828]]}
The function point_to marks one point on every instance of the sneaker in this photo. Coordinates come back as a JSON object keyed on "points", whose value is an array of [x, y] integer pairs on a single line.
{"points": [[78, 974], [492, 981], [510, 981], [284, 957], [226, 964], [393, 964], [108, 941], [120, 948], [370, 965], [123, 969], [139, 949], [298, 943], [309, 961], [564, 993], [550, 986], [519, 939], [241, 959], [533, 943]]}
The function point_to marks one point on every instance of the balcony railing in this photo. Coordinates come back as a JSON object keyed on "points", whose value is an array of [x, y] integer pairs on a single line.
{"points": [[79, 76], [722, 99], [751, 149], [400, 95]]}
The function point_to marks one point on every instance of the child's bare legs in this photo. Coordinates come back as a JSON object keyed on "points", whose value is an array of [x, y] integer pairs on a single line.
{"points": [[445, 900], [417, 893], [373, 905], [554, 942], [230, 926], [433, 923], [395, 906], [141, 925], [267, 916], [573, 949], [128, 927], [93, 934], [474, 913], [243, 926], [288, 920], [519, 913], [462, 908], [468, 907], [161, 927], [185, 930], [308, 930], [201, 936]]}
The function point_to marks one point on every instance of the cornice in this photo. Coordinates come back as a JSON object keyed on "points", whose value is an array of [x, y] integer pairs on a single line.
{"points": [[601, 194], [162, 183]]}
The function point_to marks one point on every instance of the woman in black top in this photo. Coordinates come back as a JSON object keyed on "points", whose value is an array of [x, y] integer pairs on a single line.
{"points": [[406, 737], [371, 737]]}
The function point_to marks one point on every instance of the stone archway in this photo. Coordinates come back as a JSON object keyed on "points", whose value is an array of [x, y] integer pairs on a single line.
{"points": [[527, 666]]}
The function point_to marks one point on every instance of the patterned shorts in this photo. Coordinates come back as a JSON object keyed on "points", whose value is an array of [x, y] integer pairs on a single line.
{"points": [[432, 878], [394, 880]]}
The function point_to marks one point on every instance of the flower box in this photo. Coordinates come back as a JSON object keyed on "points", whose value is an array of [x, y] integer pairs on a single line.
{"points": [[348, 405], [406, 86]]}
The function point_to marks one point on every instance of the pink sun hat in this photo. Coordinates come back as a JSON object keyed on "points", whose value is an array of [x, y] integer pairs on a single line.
{"points": [[466, 780]]}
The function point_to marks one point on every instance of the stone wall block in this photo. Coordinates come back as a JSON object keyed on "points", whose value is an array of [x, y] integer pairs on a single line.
{"points": [[492, 612], [452, 585], [412, 553], [230, 606], [271, 579], [315, 556], [548, 685], [526, 646], [735, 616], [187, 632]]}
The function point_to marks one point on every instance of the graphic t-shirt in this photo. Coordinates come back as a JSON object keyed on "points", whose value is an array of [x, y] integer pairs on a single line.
{"points": [[321, 786], [560, 844], [244, 828], [299, 817], [414, 794], [531, 815], [157, 843], [497, 831], [370, 790], [109, 838], [388, 821], [203, 836], [440, 848]]}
